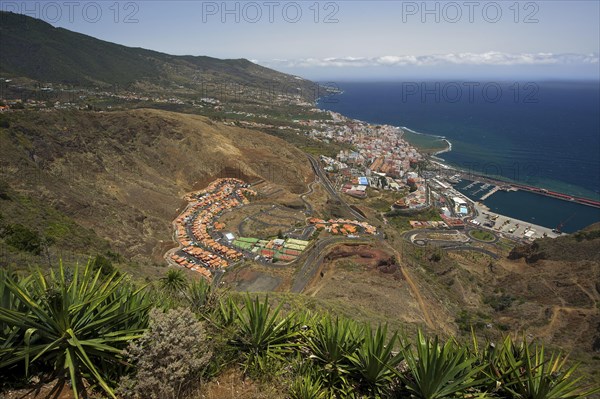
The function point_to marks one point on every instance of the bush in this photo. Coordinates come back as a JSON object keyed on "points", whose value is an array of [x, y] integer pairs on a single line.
{"points": [[103, 264], [499, 303], [21, 238], [4, 190], [169, 358], [263, 336], [4, 122], [436, 257], [587, 235]]}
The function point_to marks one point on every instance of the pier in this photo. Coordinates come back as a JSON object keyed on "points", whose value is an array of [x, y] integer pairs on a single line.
{"points": [[489, 193], [554, 194], [509, 186]]}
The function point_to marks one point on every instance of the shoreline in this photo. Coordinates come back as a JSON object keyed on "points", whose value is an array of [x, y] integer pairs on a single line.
{"points": [[436, 136], [448, 149], [443, 164], [421, 134]]}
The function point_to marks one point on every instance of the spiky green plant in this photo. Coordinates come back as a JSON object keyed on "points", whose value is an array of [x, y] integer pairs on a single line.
{"points": [[201, 296], [225, 314], [174, 282], [307, 387], [438, 370], [9, 334], [331, 342], [74, 325], [492, 361], [263, 334], [537, 376], [374, 362]]}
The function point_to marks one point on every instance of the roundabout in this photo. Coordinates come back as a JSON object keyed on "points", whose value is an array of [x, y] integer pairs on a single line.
{"points": [[482, 236]]}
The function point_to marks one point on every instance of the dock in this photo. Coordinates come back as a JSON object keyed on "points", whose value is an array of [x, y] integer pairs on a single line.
{"points": [[489, 193]]}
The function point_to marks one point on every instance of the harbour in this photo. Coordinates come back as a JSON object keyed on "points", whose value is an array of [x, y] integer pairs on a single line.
{"points": [[531, 205]]}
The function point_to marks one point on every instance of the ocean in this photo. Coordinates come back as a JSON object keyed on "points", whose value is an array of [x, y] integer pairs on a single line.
{"points": [[544, 134]]}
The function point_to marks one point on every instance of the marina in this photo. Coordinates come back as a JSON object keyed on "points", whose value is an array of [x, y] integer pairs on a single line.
{"points": [[531, 206]]}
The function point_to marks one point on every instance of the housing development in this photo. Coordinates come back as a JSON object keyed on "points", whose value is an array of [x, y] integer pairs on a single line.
{"points": [[205, 248]]}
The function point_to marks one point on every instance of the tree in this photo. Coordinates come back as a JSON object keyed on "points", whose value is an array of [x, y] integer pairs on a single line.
{"points": [[436, 257]]}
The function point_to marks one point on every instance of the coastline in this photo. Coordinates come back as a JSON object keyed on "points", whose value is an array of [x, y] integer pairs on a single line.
{"points": [[448, 149], [484, 145], [446, 166], [427, 147], [434, 153]]}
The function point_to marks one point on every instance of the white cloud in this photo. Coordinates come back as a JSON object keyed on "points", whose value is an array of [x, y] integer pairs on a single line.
{"points": [[489, 58]]}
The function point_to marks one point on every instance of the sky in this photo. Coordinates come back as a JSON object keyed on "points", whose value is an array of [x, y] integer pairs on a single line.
{"points": [[354, 40]]}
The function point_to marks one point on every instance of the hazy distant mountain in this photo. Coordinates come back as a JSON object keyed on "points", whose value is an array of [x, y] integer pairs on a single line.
{"points": [[34, 49]]}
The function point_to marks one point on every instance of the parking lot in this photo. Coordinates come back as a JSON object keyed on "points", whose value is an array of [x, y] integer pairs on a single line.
{"points": [[511, 227]]}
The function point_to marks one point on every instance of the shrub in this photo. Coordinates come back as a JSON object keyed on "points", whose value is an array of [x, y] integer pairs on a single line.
{"points": [[201, 297], [523, 370], [169, 358], [438, 370], [174, 282], [435, 257], [103, 264], [307, 387], [4, 190], [374, 362], [24, 239], [331, 342], [499, 303]]}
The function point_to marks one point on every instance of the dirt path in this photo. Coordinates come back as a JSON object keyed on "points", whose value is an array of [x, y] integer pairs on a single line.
{"points": [[415, 291], [556, 309]]}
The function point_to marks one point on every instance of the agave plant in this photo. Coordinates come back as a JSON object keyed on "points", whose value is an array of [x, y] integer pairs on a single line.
{"points": [[493, 363], [307, 387], [74, 325], [374, 362], [331, 343], [537, 376], [262, 334], [201, 296], [8, 332], [225, 314], [438, 370], [174, 282]]}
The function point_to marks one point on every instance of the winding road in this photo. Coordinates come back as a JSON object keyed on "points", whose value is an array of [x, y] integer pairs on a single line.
{"points": [[452, 245]]}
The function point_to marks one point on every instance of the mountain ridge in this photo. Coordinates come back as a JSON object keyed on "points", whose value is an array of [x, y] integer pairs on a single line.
{"points": [[34, 49]]}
